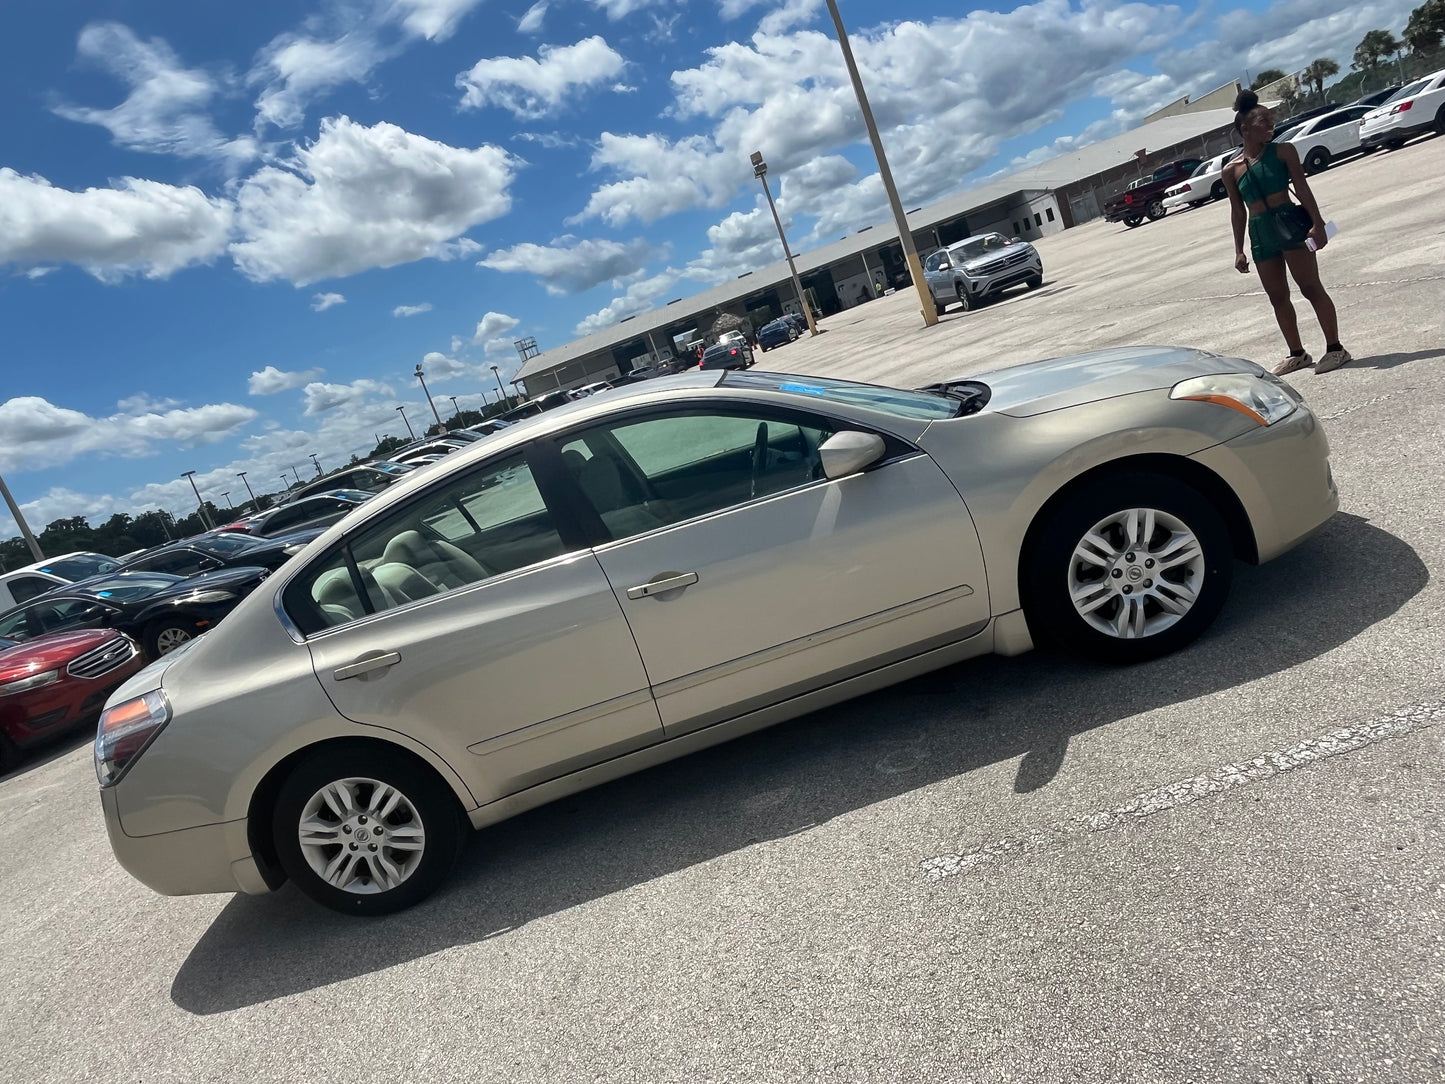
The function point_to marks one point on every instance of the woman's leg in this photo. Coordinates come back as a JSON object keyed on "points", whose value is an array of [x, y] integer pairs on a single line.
{"points": [[1276, 285], [1306, 271]]}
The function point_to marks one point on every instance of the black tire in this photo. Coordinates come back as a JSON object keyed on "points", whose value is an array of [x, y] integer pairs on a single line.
{"points": [[168, 633], [1049, 574], [1035, 282], [1317, 161], [966, 300], [1133, 221], [1156, 210], [1440, 120], [1216, 191], [9, 755], [939, 307], [440, 816]]}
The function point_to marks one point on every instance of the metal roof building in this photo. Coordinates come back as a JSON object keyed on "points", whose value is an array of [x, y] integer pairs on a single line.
{"points": [[1038, 200]]}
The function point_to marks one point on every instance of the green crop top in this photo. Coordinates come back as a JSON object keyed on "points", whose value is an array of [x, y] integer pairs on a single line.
{"points": [[1263, 178]]}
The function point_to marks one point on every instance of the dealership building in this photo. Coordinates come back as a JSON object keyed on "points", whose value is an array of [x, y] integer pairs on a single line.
{"points": [[1042, 199]]}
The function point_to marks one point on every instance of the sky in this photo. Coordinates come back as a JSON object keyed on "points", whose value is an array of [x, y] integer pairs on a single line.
{"points": [[229, 233]]}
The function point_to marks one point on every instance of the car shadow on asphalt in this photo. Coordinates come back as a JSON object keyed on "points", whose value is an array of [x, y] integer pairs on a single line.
{"points": [[1389, 361], [777, 782]]}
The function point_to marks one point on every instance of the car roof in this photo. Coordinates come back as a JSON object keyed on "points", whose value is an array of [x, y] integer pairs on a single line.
{"points": [[39, 566]]}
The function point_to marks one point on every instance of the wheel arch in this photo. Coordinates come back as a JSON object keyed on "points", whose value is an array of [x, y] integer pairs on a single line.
{"points": [[262, 805], [1212, 487]]}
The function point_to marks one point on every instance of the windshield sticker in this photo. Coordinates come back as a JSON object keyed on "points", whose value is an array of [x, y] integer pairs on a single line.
{"points": [[803, 389]]}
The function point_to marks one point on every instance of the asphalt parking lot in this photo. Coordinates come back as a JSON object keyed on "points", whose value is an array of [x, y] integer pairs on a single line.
{"points": [[1224, 865]]}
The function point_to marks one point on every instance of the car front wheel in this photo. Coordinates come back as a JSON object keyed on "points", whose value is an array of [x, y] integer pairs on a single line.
{"points": [[366, 834], [1128, 568], [965, 299], [164, 636]]}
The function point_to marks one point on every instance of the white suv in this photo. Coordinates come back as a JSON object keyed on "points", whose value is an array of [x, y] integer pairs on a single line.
{"points": [[25, 583], [1414, 110]]}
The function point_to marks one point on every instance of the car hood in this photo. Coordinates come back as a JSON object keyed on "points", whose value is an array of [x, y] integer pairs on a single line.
{"points": [[1041, 386], [220, 580], [49, 652], [992, 257]]}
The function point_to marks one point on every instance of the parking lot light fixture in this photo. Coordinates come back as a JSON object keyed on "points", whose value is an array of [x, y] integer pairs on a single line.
{"points": [[905, 236], [242, 475], [760, 171], [226, 493], [319, 471], [421, 376], [402, 411], [35, 550], [456, 410], [190, 476], [500, 390]]}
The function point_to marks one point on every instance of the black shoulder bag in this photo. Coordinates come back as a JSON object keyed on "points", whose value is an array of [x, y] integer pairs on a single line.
{"points": [[1289, 222]]}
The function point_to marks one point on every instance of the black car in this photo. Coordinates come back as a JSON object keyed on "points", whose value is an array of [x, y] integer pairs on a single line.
{"points": [[777, 333], [1378, 97], [537, 406], [221, 549], [372, 477], [728, 355], [161, 611], [317, 510]]}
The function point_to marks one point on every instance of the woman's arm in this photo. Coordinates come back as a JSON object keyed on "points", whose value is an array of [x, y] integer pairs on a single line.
{"points": [[1237, 217], [1290, 157]]}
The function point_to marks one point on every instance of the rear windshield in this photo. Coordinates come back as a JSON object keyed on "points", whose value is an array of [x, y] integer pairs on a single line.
{"points": [[81, 565], [1407, 91], [900, 402], [222, 545]]}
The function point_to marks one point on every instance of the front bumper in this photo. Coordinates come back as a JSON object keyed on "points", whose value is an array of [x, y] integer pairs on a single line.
{"points": [[1281, 474], [208, 858], [981, 285]]}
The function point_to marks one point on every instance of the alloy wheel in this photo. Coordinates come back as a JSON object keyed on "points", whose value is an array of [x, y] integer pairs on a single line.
{"points": [[170, 638], [1136, 573], [361, 835]]}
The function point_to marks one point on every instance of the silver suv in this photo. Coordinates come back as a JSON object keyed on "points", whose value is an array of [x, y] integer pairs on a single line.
{"points": [[970, 270]]}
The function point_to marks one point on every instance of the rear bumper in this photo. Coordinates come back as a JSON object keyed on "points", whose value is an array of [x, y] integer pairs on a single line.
{"points": [[208, 858], [1396, 133], [1281, 474]]}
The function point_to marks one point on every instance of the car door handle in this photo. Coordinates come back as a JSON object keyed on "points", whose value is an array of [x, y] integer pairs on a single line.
{"points": [[667, 582], [368, 665]]}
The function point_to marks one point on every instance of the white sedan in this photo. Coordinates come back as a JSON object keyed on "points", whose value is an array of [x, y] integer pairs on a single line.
{"points": [[1205, 183], [1324, 139], [1414, 110]]}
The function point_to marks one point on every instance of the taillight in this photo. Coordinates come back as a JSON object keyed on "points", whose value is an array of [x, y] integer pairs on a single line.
{"points": [[1128, 197], [124, 732], [1403, 107], [733, 351]]}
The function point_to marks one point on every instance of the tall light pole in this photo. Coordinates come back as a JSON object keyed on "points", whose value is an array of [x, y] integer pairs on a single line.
{"points": [[500, 389], [760, 171], [456, 410], [35, 550], [319, 471], [402, 411], [254, 506], [190, 476], [226, 493], [905, 235], [422, 377], [295, 472]]}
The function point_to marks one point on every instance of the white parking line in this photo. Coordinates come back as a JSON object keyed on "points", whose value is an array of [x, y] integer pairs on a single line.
{"points": [[1171, 796]]}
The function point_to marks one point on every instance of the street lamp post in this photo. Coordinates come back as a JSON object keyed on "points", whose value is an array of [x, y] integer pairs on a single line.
{"points": [[456, 410], [422, 377], [402, 411], [190, 476], [501, 390], [319, 471], [35, 550], [905, 235], [226, 493], [760, 171], [254, 506], [297, 473]]}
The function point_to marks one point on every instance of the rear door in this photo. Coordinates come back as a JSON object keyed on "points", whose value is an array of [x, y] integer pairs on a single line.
{"points": [[748, 577]]}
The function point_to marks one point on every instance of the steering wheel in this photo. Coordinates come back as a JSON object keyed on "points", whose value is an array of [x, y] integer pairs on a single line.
{"points": [[760, 457]]}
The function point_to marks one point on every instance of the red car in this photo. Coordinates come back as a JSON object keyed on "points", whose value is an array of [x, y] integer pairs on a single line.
{"points": [[52, 683]]}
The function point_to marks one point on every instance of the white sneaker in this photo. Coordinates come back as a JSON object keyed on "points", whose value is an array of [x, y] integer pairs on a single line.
{"points": [[1293, 363], [1333, 359]]}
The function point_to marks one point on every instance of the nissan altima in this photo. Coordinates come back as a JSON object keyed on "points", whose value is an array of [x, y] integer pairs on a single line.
{"points": [[639, 575]]}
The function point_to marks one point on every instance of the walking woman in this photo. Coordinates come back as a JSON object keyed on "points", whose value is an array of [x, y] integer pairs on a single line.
{"points": [[1258, 182]]}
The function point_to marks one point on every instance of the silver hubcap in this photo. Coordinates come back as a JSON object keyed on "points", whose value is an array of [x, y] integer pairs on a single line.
{"points": [[170, 639], [361, 836], [1136, 573]]}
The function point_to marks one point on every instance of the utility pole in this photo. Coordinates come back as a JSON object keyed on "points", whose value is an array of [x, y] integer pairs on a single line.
{"points": [[35, 550], [905, 236]]}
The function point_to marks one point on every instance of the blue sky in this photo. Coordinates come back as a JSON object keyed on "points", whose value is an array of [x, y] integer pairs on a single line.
{"points": [[229, 233]]}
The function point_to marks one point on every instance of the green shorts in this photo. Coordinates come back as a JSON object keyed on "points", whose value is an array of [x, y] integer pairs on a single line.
{"points": [[1264, 242]]}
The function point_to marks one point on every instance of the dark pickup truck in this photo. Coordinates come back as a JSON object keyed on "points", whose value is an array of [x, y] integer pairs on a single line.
{"points": [[1145, 199]]}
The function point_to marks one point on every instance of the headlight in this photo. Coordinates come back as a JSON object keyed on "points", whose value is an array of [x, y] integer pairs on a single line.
{"points": [[1262, 399], [124, 732], [34, 681], [214, 595]]}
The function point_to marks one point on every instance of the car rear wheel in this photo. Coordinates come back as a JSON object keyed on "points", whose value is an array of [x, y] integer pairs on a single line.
{"points": [[1317, 161], [366, 834], [1156, 210], [1216, 191], [965, 299], [1128, 568], [1133, 220], [164, 636]]}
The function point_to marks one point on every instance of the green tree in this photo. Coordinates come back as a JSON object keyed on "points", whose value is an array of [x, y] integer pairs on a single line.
{"points": [[1426, 28], [1374, 47], [1318, 71], [1266, 77], [386, 446]]}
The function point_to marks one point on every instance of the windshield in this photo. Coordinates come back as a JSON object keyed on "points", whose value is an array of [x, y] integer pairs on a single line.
{"points": [[1406, 92], [223, 545], [975, 247], [80, 565], [132, 586], [902, 403]]}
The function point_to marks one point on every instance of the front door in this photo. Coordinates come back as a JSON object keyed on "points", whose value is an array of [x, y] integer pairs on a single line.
{"points": [[479, 631], [747, 577]]}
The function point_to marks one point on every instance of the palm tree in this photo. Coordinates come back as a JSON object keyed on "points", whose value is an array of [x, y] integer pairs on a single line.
{"points": [[1318, 71], [1426, 28], [1374, 47]]}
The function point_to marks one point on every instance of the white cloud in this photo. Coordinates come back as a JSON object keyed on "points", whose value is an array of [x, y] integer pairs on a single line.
{"points": [[136, 227], [638, 298], [740, 242], [618, 9], [531, 22], [270, 380], [792, 13], [165, 112], [531, 88], [492, 326], [321, 397], [435, 20], [412, 310], [296, 68], [439, 368], [40, 434], [359, 198], [322, 302], [570, 266], [666, 177]]}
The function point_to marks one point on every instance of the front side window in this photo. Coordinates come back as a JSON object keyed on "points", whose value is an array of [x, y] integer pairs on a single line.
{"points": [[179, 563], [484, 523], [25, 588], [657, 471], [81, 565], [70, 613]]}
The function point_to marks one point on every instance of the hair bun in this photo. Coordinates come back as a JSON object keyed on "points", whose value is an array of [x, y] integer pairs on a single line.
{"points": [[1245, 101]]}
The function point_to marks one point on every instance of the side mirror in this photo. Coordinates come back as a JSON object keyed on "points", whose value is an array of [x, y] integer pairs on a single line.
{"points": [[944, 265], [849, 452]]}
